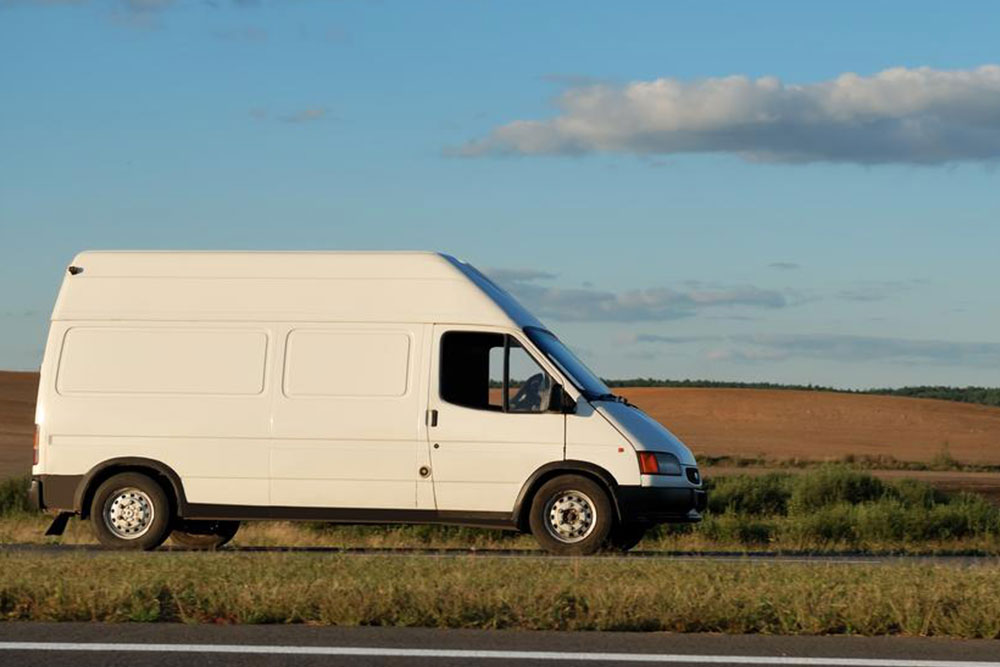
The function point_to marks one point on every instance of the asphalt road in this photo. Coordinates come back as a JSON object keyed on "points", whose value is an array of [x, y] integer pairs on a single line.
{"points": [[73, 644], [725, 556]]}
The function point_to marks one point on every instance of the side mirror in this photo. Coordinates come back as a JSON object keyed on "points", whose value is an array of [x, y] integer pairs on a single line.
{"points": [[560, 401]]}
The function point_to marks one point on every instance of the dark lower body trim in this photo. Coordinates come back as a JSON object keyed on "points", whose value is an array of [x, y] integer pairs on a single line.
{"points": [[59, 492], [54, 492], [651, 505], [501, 520]]}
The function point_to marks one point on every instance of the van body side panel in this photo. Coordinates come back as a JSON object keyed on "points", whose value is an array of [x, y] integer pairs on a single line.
{"points": [[193, 396], [46, 382], [347, 416], [275, 299], [591, 437], [425, 485]]}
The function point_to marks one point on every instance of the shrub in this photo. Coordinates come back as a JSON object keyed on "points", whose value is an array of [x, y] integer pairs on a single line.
{"points": [[829, 524], [832, 485], [887, 520], [743, 494], [966, 515], [14, 496], [943, 460], [913, 493], [739, 528]]}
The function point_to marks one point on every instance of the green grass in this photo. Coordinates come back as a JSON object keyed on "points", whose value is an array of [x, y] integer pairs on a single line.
{"points": [[14, 497], [831, 508], [835, 507], [943, 461], [533, 594]]}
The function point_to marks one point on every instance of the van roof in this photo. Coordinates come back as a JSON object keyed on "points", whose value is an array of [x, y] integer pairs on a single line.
{"points": [[265, 264], [278, 286]]}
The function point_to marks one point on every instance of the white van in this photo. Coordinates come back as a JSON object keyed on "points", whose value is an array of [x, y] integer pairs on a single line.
{"points": [[184, 392]]}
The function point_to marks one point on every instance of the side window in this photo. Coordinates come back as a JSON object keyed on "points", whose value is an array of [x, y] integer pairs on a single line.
{"points": [[468, 369], [490, 371], [528, 386]]}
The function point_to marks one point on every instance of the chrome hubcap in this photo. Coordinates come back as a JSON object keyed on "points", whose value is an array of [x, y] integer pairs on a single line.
{"points": [[571, 516], [128, 513]]}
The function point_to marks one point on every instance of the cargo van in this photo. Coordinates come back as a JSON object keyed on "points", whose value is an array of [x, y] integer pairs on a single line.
{"points": [[184, 392]]}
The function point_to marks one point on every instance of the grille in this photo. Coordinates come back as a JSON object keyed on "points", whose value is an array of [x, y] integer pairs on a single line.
{"points": [[693, 476]]}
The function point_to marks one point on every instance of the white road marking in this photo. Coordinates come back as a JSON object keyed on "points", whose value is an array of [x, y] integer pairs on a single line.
{"points": [[364, 651]]}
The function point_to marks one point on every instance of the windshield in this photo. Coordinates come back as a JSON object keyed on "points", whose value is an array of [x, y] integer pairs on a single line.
{"points": [[574, 369]]}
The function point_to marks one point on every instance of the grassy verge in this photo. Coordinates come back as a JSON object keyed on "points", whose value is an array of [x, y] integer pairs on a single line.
{"points": [[943, 461], [488, 593], [833, 508], [14, 497]]}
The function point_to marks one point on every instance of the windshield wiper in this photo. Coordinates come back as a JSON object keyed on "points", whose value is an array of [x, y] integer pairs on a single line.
{"points": [[615, 398]]}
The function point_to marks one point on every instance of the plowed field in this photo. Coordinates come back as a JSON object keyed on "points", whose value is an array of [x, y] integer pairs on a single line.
{"points": [[815, 425], [776, 425]]}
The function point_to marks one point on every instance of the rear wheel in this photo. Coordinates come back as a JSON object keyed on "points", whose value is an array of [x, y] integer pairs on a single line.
{"points": [[130, 511], [571, 516], [204, 534]]}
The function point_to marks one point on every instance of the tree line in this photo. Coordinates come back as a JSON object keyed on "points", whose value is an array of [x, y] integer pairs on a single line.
{"points": [[978, 395]]}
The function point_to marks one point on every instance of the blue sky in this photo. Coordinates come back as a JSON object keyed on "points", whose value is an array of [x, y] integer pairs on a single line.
{"points": [[665, 218]]}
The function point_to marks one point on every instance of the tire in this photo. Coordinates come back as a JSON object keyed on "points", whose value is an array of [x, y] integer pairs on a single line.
{"points": [[130, 511], [626, 536], [207, 535], [571, 515]]}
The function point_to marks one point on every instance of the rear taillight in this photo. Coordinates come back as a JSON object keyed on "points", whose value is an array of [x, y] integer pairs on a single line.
{"points": [[34, 448]]}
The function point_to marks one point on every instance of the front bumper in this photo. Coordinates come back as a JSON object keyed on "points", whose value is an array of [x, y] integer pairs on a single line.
{"points": [[653, 504]]}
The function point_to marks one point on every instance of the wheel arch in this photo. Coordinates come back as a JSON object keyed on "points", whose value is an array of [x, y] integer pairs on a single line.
{"points": [[522, 505], [166, 476]]}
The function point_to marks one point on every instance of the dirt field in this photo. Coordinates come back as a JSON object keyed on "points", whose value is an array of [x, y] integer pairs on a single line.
{"points": [[17, 421], [781, 424], [776, 425]]}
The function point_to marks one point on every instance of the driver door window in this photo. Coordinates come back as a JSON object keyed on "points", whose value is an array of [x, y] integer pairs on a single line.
{"points": [[490, 371], [528, 386]]}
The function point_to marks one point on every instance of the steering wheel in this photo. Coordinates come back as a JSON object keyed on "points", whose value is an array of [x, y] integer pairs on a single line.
{"points": [[529, 397]]}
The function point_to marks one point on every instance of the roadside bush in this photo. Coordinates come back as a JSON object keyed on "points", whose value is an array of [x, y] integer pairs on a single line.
{"points": [[743, 529], [888, 520], [913, 493], [743, 494], [966, 515], [14, 496], [832, 485], [825, 525]]}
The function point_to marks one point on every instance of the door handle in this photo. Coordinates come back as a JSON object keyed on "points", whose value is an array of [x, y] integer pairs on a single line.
{"points": [[432, 417]]}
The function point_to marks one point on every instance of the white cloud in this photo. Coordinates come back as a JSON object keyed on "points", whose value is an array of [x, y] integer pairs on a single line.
{"points": [[868, 348], [305, 115], [899, 115], [836, 347], [655, 303]]}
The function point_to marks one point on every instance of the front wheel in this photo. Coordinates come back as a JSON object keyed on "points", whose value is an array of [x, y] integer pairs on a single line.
{"points": [[626, 536], [206, 535], [571, 515], [130, 511]]}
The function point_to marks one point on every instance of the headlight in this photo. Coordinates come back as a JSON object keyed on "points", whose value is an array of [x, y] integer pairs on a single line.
{"points": [[659, 463]]}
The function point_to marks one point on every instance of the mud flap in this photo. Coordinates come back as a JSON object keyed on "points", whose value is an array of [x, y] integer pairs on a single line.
{"points": [[58, 525]]}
